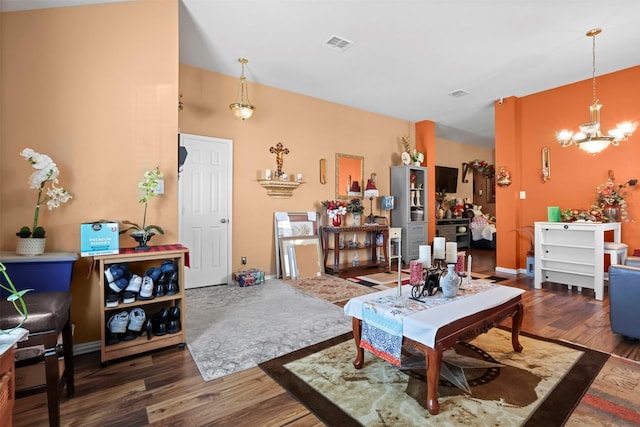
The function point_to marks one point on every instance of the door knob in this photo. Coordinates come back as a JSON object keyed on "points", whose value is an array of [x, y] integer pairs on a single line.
{"points": [[223, 220]]}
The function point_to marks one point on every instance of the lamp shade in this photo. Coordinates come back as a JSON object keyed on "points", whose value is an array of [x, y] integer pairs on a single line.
{"points": [[371, 190]]}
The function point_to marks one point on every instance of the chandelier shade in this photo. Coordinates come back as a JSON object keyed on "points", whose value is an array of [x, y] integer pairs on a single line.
{"points": [[242, 108], [590, 138]]}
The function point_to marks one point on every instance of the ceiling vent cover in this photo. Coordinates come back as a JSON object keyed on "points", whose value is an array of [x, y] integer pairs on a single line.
{"points": [[458, 93], [338, 43]]}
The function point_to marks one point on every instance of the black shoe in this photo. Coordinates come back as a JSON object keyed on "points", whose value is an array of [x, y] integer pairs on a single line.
{"points": [[111, 338], [160, 288], [172, 286], [173, 324], [148, 328], [160, 322]]}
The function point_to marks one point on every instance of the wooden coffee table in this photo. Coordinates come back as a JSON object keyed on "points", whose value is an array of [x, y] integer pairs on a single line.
{"points": [[462, 329]]}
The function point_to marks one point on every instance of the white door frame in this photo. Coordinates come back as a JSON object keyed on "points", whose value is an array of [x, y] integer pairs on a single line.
{"points": [[229, 200]]}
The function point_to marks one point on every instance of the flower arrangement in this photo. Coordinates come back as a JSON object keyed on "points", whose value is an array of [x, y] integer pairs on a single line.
{"points": [[334, 208], [483, 167], [595, 214], [610, 195], [148, 186], [44, 179], [416, 156], [355, 206]]}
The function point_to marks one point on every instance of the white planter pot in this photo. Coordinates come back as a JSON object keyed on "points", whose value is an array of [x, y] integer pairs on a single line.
{"points": [[30, 246]]}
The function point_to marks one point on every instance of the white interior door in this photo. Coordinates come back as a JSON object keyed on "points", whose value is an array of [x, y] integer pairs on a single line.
{"points": [[205, 194]]}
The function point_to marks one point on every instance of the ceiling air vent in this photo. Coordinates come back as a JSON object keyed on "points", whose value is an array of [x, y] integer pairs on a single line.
{"points": [[458, 93], [338, 43]]}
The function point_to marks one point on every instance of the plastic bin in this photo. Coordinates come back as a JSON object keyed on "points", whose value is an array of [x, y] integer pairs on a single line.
{"points": [[49, 272]]}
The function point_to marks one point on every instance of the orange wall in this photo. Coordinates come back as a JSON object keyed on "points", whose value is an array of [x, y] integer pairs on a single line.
{"points": [[310, 128], [97, 93], [525, 125]]}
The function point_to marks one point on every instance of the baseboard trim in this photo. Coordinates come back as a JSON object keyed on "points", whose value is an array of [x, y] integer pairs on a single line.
{"points": [[506, 270], [86, 347]]}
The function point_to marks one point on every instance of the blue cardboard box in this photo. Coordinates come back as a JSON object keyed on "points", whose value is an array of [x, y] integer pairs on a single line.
{"points": [[99, 238]]}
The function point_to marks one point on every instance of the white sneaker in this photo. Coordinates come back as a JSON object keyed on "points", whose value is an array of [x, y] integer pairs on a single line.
{"points": [[132, 289], [146, 290]]}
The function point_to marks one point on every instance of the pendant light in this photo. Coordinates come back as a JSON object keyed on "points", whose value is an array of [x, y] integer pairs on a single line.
{"points": [[242, 108]]}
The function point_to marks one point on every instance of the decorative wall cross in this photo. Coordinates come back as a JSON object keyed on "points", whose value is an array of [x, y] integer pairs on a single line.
{"points": [[279, 151]]}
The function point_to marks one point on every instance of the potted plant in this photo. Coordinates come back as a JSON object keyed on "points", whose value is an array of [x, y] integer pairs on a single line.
{"points": [[335, 210], [355, 207], [31, 241], [142, 234], [416, 156]]}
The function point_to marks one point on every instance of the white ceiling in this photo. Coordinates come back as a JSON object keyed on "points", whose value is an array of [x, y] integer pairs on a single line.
{"points": [[409, 54]]}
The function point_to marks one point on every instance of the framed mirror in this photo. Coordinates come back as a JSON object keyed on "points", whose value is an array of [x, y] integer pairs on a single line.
{"points": [[349, 176]]}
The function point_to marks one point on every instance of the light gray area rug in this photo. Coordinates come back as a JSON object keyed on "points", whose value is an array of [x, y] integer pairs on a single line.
{"points": [[230, 328]]}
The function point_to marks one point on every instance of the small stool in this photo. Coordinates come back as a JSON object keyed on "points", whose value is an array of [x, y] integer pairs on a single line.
{"points": [[617, 252], [49, 314]]}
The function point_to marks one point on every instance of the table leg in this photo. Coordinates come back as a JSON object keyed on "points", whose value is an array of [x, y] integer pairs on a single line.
{"points": [[356, 323], [434, 361], [515, 328]]}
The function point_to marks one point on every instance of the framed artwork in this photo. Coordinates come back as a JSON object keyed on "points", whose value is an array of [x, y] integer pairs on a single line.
{"points": [[301, 257], [491, 189]]}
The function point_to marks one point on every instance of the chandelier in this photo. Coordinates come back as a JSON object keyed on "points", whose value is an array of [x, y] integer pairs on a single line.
{"points": [[590, 139], [242, 108]]}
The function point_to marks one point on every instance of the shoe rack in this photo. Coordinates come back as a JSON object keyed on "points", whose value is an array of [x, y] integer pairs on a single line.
{"points": [[138, 263]]}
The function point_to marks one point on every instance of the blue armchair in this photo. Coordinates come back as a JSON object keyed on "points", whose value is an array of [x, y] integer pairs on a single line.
{"points": [[624, 298]]}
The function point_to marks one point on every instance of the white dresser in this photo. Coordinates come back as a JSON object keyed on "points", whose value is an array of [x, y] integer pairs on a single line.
{"points": [[572, 253]]}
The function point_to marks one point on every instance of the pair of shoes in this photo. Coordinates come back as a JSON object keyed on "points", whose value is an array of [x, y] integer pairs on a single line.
{"points": [[125, 326], [117, 277], [166, 321], [172, 284], [116, 326], [137, 318], [132, 289]]}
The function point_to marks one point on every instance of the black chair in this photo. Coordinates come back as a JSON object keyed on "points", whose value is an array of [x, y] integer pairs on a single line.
{"points": [[49, 315]]}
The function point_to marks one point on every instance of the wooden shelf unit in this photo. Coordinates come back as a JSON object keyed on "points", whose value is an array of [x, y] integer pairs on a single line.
{"points": [[137, 263], [370, 232]]}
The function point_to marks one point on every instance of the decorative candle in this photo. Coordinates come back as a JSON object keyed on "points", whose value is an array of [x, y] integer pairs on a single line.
{"points": [[299, 177], [415, 270], [425, 255], [452, 252], [460, 262], [469, 267], [267, 174], [438, 247]]}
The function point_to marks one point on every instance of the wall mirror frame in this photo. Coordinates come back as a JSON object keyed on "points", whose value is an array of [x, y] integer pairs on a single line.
{"points": [[349, 170]]}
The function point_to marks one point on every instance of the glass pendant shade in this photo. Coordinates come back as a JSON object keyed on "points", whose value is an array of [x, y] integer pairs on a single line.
{"points": [[242, 108], [590, 139]]}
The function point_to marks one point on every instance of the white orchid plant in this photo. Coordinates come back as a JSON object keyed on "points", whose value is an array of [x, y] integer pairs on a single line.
{"points": [[149, 187], [44, 179]]}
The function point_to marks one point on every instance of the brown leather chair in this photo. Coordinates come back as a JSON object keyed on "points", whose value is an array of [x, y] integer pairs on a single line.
{"points": [[49, 314]]}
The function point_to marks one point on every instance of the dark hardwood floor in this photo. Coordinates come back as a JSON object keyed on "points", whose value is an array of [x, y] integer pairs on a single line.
{"points": [[164, 387]]}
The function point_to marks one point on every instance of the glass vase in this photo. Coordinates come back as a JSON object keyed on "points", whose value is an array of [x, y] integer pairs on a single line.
{"points": [[450, 283], [612, 212], [337, 220]]}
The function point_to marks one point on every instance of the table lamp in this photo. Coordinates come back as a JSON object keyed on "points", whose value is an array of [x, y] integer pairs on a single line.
{"points": [[370, 192]]}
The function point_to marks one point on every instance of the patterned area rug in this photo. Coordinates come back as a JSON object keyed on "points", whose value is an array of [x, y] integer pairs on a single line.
{"points": [[538, 387], [330, 288], [230, 328], [383, 278]]}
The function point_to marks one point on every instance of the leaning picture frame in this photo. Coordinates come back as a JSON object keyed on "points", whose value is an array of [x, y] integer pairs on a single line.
{"points": [[301, 256], [292, 224]]}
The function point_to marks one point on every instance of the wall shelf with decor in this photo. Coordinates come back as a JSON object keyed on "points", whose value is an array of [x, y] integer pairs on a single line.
{"points": [[279, 189]]}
